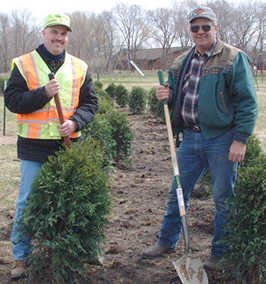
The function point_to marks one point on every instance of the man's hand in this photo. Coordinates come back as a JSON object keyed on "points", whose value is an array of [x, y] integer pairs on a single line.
{"points": [[163, 93], [52, 88], [67, 128], [237, 151]]}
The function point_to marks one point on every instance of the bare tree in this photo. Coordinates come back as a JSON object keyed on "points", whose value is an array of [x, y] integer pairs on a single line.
{"points": [[181, 11], [163, 29], [243, 26], [225, 15], [132, 25], [4, 43], [105, 38], [81, 37], [25, 35]]}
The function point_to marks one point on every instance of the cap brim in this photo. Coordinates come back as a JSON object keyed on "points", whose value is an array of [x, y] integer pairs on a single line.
{"points": [[69, 29]]}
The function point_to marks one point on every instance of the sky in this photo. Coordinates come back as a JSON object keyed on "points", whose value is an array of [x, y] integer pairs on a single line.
{"points": [[40, 9]]}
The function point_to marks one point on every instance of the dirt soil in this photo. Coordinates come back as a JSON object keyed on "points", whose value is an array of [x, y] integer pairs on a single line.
{"points": [[139, 193]]}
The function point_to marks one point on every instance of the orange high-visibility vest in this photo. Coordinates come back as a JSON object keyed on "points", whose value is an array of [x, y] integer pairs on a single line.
{"points": [[43, 123]]}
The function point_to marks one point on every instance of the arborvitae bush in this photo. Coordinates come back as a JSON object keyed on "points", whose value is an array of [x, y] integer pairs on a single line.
{"points": [[101, 93], [246, 238], [67, 214], [253, 151], [137, 100], [106, 104], [155, 106], [111, 89], [121, 134], [98, 85], [100, 130], [121, 95]]}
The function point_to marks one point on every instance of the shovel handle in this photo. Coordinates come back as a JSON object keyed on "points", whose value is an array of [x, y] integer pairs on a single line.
{"points": [[179, 191], [59, 110], [180, 197]]}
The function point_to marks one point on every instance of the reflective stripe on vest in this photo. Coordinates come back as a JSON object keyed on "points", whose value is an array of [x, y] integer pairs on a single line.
{"points": [[43, 123]]}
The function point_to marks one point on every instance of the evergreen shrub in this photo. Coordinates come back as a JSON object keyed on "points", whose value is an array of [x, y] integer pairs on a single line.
{"points": [[121, 96], [137, 100], [101, 93], [67, 214], [106, 104], [98, 85], [121, 134], [155, 106], [100, 130], [111, 90], [253, 151], [246, 238]]}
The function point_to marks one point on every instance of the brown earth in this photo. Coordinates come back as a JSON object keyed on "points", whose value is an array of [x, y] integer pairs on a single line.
{"points": [[139, 194]]}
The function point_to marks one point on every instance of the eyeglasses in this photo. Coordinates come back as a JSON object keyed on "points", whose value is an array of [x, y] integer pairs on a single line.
{"points": [[196, 28]]}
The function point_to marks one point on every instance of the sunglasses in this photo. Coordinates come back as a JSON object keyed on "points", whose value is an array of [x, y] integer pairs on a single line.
{"points": [[196, 28]]}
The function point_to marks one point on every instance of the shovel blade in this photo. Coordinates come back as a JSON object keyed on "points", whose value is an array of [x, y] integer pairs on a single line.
{"points": [[190, 270]]}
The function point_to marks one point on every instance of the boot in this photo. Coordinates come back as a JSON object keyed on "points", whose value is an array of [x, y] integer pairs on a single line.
{"points": [[156, 251], [19, 270]]}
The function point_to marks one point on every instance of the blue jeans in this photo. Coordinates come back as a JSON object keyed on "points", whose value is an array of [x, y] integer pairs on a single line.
{"points": [[195, 156], [21, 244]]}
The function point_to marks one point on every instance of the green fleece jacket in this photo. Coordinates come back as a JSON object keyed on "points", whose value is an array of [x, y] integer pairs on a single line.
{"points": [[227, 94]]}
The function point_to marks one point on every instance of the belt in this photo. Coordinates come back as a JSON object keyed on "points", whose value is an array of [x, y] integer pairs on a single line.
{"points": [[195, 128]]}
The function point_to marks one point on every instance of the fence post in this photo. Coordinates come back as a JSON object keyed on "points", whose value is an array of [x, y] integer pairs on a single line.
{"points": [[4, 113]]}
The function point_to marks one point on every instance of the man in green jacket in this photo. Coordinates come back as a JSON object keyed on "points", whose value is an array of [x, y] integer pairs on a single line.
{"points": [[212, 98]]}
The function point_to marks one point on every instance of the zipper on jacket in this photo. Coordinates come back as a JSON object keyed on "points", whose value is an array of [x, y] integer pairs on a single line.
{"points": [[223, 101]]}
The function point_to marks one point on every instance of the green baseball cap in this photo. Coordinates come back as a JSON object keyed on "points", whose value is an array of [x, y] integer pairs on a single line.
{"points": [[59, 19]]}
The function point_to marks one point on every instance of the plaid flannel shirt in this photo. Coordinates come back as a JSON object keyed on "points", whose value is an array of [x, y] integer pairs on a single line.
{"points": [[191, 85]]}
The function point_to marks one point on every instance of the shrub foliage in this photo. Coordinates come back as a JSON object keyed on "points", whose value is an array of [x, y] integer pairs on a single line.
{"points": [[137, 100], [246, 238], [121, 134], [66, 213], [111, 90], [155, 106], [121, 95], [100, 130]]}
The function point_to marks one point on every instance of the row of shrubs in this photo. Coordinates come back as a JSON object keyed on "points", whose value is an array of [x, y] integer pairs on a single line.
{"points": [[138, 99]]}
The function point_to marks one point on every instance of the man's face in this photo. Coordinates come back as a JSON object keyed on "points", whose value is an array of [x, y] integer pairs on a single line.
{"points": [[203, 39], [55, 39]]}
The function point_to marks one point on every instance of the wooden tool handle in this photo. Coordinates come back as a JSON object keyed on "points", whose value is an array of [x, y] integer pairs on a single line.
{"points": [[179, 191], [60, 111]]}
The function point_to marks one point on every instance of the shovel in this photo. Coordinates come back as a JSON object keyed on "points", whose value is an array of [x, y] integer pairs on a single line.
{"points": [[190, 270], [59, 111]]}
